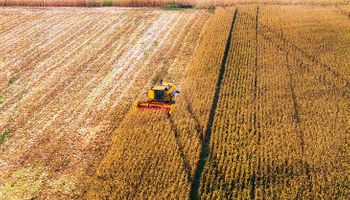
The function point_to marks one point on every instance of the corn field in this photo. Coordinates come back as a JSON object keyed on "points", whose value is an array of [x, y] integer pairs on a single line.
{"points": [[166, 149], [263, 111], [160, 3], [283, 112]]}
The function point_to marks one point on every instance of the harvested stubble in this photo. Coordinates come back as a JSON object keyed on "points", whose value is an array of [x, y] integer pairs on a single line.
{"points": [[161, 3], [73, 84], [281, 128], [153, 156], [124, 3]]}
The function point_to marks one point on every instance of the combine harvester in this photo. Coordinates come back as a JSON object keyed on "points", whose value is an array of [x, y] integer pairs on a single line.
{"points": [[160, 97]]}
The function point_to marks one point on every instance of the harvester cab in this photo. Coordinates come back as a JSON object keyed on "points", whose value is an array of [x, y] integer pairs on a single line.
{"points": [[160, 97]]}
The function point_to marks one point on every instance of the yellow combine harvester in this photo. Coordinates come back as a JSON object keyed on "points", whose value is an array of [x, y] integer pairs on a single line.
{"points": [[160, 97]]}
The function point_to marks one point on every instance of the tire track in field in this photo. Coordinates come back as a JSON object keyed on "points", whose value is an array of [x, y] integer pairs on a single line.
{"points": [[288, 45], [205, 145], [297, 121]]}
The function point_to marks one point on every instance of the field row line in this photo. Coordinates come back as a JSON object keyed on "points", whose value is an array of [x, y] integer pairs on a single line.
{"points": [[255, 88], [287, 44], [205, 144]]}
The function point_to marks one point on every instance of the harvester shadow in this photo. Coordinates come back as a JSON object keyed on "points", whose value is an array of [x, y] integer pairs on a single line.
{"points": [[226, 186], [185, 163], [205, 149], [296, 107], [306, 67], [212, 161], [297, 117], [198, 128]]}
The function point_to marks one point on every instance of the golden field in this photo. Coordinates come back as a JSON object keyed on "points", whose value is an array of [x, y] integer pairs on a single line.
{"points": [[263, 111]]}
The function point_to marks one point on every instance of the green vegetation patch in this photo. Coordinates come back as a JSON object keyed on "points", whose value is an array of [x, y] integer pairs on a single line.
{"points": [[211, 9], [3, 95], [156, 79], [107, 3], [2, 99], [12, 80], [175, 6], [171, 7], [3, 136]]}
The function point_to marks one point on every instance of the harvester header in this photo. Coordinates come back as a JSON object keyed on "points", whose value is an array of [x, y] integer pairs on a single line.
{"points": [[160, 97]]}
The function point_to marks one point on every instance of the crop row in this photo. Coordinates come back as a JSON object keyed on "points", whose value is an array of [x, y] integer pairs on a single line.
{"points": [[126, 3], [67, 88], [160, 3], [280, 128], [153, 156]]}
